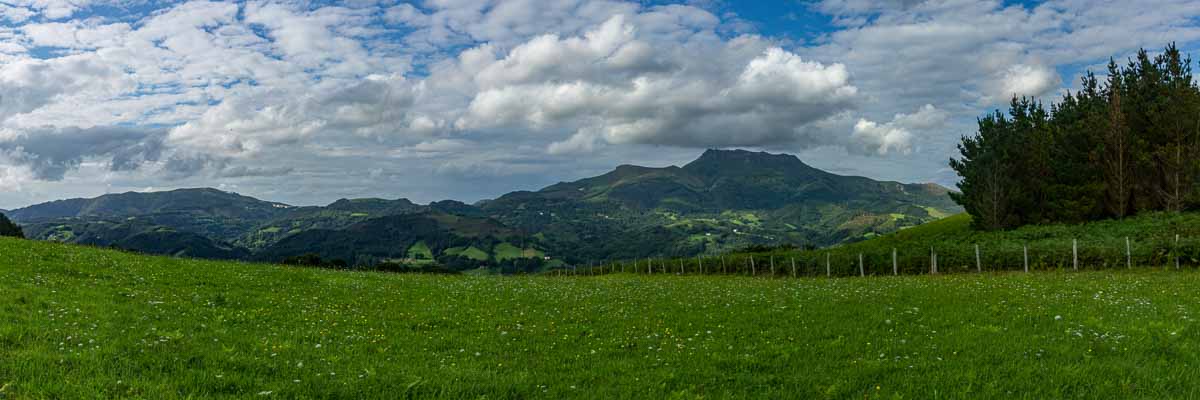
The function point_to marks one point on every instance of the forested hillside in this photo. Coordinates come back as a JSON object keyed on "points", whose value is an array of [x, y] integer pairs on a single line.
{"points": [[1114, 148], [722, 201]]}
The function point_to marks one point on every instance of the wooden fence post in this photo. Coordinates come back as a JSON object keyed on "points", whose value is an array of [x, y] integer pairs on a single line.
{"points": [[681, 266], [1176, 251], [1025, 251], [701, 262], [978, 263], [772, 266], [722, 264], [1075, 254], [828, 272], [1128, 254], [793, 267], [753, 268], [932, 261], [895, 264], [861, 271]]}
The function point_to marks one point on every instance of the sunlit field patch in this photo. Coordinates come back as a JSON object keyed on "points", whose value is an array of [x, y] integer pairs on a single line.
{"points": [[82, 323]]}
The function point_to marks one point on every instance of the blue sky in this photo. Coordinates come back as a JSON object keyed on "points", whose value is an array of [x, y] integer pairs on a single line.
{"points": [[308, 102]]}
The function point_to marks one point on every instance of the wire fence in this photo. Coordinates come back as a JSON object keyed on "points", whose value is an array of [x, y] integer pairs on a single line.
{"points": [[1042, 255]]}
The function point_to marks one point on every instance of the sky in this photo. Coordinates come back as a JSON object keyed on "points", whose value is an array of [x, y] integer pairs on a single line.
{"points": [[308, 102]]}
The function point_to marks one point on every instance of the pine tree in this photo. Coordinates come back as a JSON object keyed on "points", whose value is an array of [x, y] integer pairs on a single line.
{"points": [[983, 190], [1116, 148], [1110, 149], [8, 228]]}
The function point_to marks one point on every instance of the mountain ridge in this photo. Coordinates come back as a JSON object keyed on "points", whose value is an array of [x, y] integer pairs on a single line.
{"points": [[723, 200]]}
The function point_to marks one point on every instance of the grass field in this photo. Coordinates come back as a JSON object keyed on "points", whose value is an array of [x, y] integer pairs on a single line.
{"points": [[468, 252], [83, 323]]}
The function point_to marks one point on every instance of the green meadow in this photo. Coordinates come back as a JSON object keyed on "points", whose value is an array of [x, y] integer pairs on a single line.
{"points": [[79, 322]]}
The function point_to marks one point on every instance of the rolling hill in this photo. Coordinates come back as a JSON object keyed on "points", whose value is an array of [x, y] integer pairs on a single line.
{"points": [[722, 201], [392, 238]]}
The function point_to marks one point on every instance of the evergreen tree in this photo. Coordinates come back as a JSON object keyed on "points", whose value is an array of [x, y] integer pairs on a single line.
{"points": [[983, 190], [8, 228], [1111, 149], [1115, 148]]}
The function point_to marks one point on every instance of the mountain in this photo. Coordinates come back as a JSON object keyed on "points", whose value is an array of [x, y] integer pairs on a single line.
{"points": [[735, 180], [724, 200], [134, 234], [337, 215], [210, 202], [417, 237], [209, 212]]}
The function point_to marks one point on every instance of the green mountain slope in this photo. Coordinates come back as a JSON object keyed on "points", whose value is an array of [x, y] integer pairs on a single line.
{"points": [[218, 215], [397, 238], [722, 201], [338, 215], [208, 202], [134, 234]]}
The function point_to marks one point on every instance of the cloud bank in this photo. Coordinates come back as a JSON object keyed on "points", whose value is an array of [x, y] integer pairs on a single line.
{"points": [[434, 97]]}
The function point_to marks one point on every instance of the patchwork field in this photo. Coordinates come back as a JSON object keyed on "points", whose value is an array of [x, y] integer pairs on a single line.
{"points": [[82, 323]]}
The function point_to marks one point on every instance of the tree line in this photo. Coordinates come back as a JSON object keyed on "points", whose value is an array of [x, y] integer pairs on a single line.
{"points": [[1114, 148], [8, 228]]}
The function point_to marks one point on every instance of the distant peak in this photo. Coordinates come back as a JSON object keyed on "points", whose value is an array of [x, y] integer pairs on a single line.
{"points": [[719, 156], [743, 153], [199, 189]]}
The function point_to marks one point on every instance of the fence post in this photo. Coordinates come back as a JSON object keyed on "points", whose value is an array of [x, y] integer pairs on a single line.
{"points": [[1025, 250], [722, 264], [978, 263], [1128, 254], [1075, 254], [828, 272], [861, 271], [753, 268], [932, 261], [772, 266], [701, 262], [681, 266], [895, 265], [793, 267], [1176, 251]]}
